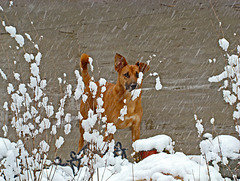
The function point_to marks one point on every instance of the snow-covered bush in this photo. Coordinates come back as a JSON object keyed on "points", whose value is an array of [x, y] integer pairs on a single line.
{"points": [[36, 122], [33, 117], [230, 79], [224, 147]]}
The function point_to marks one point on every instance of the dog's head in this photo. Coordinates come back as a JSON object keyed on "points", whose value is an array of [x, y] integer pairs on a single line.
{"points": [[128, 74]]}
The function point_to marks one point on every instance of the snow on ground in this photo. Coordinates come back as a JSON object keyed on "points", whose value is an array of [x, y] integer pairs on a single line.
{"points": [[158, 167]]}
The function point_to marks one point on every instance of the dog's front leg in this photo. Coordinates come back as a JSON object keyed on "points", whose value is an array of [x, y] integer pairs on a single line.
{"points": [[81, 140], [136, 131]]}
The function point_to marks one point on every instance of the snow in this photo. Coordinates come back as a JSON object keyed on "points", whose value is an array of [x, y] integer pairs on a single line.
{"points": [[22, 89], [140, 78], [93, 88], [10, 3], [135, 93], [20, 40], [199, 127], [33, 82], [5, 130], [224, 44], [11, 30], [34, 69], [28, 36], [5, 106], [80, 86], [220, 149], [219, 77], [59, 142], [90, 63], [237, 127], [158, 85], [27, 57], [111, 129], [90, 121], [67, 128], [232, 60], [16, 76], [159, 142], [102, 81], [123, 112], [228, 97], [38, 58], [3, 74], [45, 124], [212, 120], [5, 145], [161, 166], [54, 130], [229, 146], [44, 147], [167, 167]]}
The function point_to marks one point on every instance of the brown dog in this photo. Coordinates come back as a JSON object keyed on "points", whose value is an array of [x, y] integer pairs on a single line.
{"points": [[115, 97]]}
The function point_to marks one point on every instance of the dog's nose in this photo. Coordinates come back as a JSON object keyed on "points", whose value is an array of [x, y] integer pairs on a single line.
{"points": [[133, 86]]}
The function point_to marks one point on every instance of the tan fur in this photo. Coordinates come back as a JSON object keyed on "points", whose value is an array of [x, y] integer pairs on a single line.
{"points": [[114, 97]]}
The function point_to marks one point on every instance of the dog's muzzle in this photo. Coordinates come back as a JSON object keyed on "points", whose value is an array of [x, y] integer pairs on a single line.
{"points": [[131, 86]]}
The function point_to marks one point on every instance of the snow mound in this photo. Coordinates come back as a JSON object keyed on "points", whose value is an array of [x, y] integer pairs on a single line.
{"points": [[225, 145], [159, 142], [168, 167], [5, 146]]}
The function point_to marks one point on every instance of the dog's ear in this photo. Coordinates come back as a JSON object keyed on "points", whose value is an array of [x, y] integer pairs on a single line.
{"points": [[143, 67], [120, 62]]}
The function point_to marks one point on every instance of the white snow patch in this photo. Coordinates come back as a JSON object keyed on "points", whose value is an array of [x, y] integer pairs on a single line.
{"points": [[123, 112], [102, 82], [11, 30], [28, 36], [219, 77], [199, 127], [16, 76], [93, 88], [224, 44], [221, 146], [3, 74], [5, 146], [67, 128], [140, 78], [5, 130], [228, 97], [90, 63], [44, 147], [135, 93], [10, 88], [159, 142], [59, 142], [158, 85], [111, 129], [34, 69], [19, 39], [38, 58]]}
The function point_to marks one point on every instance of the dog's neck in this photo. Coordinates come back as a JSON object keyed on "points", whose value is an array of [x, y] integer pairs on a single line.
{"points": [[121, 92]]}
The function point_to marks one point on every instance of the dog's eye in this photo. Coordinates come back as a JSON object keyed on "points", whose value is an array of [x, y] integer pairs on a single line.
{"points": [[126, 75], [137, 75]]}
